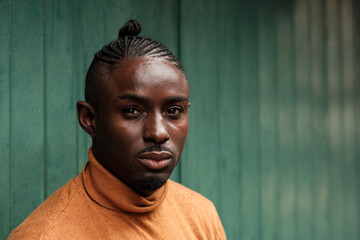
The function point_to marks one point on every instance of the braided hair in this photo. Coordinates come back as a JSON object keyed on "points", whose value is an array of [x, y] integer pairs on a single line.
{"points": [[129, 45]]}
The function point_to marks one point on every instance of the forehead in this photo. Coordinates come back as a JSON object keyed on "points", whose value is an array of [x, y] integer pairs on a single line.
{"points": [[148, 76]]}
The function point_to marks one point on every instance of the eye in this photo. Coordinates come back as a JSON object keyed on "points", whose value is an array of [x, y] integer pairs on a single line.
{"points": [[131, 112], [174, 111]]}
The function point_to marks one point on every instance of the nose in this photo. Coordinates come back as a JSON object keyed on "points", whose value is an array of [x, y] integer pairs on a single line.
{"points": [[155, 130]]}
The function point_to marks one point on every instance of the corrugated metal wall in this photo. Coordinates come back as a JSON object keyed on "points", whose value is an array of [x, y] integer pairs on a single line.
{"points": [[275, 98]]}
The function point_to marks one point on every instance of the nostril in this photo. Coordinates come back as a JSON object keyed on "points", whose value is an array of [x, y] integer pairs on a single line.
{"points": [[156, 136], [155, 131]]}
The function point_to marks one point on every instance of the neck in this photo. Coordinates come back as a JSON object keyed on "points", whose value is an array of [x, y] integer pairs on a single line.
{"points": [[144, 187]]}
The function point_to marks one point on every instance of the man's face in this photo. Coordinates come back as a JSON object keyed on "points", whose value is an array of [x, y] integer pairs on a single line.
{"points": [[142, 123]]}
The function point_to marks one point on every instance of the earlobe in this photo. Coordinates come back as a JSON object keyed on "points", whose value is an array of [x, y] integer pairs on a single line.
{"points": [[86, 117]]}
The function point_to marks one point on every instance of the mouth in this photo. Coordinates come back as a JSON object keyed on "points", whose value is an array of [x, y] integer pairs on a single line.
{"points": [[155, 160]]}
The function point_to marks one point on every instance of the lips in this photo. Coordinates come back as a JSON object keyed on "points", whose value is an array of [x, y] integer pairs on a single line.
{"points": [[155, 160]]}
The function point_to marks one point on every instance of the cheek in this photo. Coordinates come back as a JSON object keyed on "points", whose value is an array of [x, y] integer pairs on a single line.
{"points": [[126, 133], [121, 133], [179, 133]]}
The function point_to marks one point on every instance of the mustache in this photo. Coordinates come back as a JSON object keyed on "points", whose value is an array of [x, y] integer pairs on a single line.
{"points": [[155, 148]]}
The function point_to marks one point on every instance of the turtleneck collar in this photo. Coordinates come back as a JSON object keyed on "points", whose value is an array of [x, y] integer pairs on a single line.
{"points": [[108, 191]]}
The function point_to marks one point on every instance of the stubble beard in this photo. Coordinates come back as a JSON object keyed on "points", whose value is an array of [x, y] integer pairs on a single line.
{"points": [[152, 183]]}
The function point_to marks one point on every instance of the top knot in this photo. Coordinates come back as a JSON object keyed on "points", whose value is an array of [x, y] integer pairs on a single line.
{"points": [[131, 28]]}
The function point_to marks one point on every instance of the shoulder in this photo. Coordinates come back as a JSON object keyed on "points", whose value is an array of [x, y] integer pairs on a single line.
{"points": [[188, 196], [197, 209], [41, 220]]}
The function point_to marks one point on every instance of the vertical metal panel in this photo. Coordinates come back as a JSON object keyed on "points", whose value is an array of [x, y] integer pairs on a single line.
{"points": [[199, 53], [60, 96], [356, 22], [303, 139], [117, 13], [160, 22], [320, 122], [268, 121], [274, 90], [349, 185], [269, 145], [249, 120], [335, 118], [27, 108], [5, 122], [88, 38], [356, 38], [286, 120], [229, 171]]}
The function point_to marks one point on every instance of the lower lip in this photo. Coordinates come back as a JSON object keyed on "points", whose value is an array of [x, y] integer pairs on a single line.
{"points": [[155, 164]]}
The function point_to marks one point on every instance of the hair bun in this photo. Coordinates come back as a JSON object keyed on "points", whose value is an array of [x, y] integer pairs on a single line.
{"points": [[131, 28]]}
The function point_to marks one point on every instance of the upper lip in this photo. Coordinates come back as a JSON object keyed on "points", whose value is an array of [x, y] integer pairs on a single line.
{"points": [[155, 155]]}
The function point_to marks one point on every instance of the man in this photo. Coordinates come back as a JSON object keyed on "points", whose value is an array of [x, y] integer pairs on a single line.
{"points": [[136, 112]]}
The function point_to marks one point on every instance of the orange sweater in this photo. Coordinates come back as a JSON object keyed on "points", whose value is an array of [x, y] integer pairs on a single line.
{"points": [[96, 205]]}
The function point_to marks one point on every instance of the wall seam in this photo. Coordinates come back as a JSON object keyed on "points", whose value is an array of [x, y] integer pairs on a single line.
{"points": [[219, 165], [326, 83], [11, 193], [259, 155], [296, 100], [77, 87], [294, 112], [312, 190], [178, 6], [45, 163], [278, 118], [341, 82], [356, 22]]}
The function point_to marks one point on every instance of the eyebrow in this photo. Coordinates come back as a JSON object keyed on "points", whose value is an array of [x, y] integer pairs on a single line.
{"points": [[133, 97], [138, 98], [178, 99]]}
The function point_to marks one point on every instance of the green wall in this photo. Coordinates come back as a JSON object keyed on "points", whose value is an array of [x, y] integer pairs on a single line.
{"points": [[275, 105]]}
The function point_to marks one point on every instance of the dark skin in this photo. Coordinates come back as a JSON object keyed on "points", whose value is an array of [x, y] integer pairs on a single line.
{"points": [[140, 125]]}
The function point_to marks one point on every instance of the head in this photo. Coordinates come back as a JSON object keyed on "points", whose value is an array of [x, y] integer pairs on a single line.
{"points": [[136, 109]]}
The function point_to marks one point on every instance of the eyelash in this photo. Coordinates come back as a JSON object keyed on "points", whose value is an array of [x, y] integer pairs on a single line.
{"points": [[129, 111], [180, 111], [134, 112]]}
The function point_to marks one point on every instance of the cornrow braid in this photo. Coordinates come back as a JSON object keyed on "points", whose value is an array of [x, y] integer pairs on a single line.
{"points": [[129, 45]]}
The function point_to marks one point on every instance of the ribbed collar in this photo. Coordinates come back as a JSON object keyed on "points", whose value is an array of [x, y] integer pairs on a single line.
{"points": [[108, 191]]}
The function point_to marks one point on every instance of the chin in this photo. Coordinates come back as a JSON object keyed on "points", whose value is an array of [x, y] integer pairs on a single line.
{"points": [[152, 183]]}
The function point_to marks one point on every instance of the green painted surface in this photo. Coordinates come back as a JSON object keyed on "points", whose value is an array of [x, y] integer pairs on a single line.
{"points": [[4, 118], [348, 44], [249, 119], [200, 163], [275, 105], [286, 98], [228, 121], [27, 109], [269, 127], [304, 150], [319, 124], [60, 95], [88, 37], [333, 71]]}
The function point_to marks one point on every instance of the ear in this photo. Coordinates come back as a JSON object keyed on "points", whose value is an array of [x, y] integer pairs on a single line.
{"points": [[86, 117]]}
